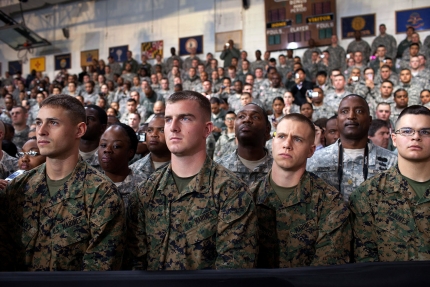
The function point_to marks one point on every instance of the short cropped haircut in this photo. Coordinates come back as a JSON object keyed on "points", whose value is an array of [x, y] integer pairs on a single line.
{"points": [[214, 100], [366, 105], [131, 134], [73, 106], [414, 44], [101, 113], [302, 119], [132, 100], [201, 100], [230, 112], [278, 99], [413, 110], [376, 125], [322, 73], [387, 81], [266, 118]]}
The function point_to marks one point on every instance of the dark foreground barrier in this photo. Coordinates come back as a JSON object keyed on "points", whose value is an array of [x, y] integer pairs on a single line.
{"points": [[368, 274]]}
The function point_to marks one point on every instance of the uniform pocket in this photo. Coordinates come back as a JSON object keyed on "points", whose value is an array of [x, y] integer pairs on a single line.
{"points": [[301, 244], [392, 244]]}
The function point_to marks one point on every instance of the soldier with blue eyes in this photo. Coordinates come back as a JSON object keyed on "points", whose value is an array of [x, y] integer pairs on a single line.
{"points": [[353, 158], [303, 221], [390, 213]]}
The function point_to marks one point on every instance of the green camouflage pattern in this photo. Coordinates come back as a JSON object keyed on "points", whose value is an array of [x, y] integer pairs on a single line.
{"points": [[224, 145], [311, 228], [232, 162], [211, 224], [389, 221], [82, 227]]}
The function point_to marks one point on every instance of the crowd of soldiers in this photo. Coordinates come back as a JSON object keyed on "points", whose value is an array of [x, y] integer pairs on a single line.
{"points": [[319, 160]]}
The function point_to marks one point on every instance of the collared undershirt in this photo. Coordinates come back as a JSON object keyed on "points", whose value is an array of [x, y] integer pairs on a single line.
{"points": [[157, 164], [55, 185], [282, 192], [87, 155], [419, 187], [252, 164], [182, 182], [352, 154]]}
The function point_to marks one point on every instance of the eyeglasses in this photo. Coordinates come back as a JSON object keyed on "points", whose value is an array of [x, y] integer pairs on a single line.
{"points": [[408, 132], [30, 153], [229, 119]]}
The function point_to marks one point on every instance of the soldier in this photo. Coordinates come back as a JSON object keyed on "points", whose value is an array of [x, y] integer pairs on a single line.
{"points": [[217, 117], [272, 92], [321, 109], [410, 85], [10, 163], [96, 125], [251, 161], [331, 132], [192, 81], [389, 212], [386, 40], [19, 121], [334, 97], [352, 159], [359, 45], [384, 95], [193, 213], [401, 99], [226, 143], [337, 54], [62, 215], [302, 220], [379, 133], [159, 154], [118, 145]]}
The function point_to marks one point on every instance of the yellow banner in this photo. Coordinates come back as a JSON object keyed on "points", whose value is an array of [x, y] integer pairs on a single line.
{"points": [[37, 64]]}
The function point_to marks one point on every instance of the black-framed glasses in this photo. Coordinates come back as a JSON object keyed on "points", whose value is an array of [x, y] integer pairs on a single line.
{"points": [[408, 132], [30, 153]]}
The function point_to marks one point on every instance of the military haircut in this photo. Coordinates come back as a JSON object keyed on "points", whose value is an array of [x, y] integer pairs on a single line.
{"points": [[340, 75], [400, 90], [158, 116], [302, 119], [24, 110], [214, 100], [387, 81], [101, 114], [361, 98], [403, 69], [73, 106], [368, 68], [193, 96], [322, 73], [131, 134], [424, 90], [414, 44], [413, 110], [376, 125], [231, 113]]}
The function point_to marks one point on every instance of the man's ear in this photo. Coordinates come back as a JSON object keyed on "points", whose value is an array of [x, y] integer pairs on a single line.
{"points": [[209, 128], [81, 129]]}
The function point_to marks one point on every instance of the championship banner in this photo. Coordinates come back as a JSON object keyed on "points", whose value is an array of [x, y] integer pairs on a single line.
{"points": [[63, 61], [37, 64], [152, 49], [119, 53], [187, 44], [87, 57], [417, 18], [363, 23]]}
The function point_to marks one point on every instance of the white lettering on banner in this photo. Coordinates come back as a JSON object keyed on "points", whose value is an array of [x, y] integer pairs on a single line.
{"points": [[325, 25], [274, 32], [299, 29]]}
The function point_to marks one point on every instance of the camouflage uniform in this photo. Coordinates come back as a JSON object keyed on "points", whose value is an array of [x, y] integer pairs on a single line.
{"points": [[324, 111], [5, 118], [376, 98], [148, 105], [90, 97], [310, 228], [333, 99], [10, 163], [389, 221], [389, 42], [307, 56], [234, 164], [259, 64], [358, 88], [394, 78], [191, 84], [82, 227], [164, 95], [337, 57], [270, 94], [414, 89], [422, 77], [130, 184], [144, 167], [225, 145], [324, 163], [210, 145], [211, 224], [360, 46], [94, 161], [395, 113], [188, 62], [21, 137]]}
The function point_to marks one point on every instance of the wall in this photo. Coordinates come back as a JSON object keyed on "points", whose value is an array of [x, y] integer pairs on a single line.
{"points": [[106, 23]]}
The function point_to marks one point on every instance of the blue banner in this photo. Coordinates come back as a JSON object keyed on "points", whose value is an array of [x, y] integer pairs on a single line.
{"points": [[119, 53], [187, 44], [63, 61], [417, 18], [15, 66], [363, 23]]}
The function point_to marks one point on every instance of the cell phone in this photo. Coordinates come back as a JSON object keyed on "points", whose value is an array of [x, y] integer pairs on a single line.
{"points": [[273, 120], [322, 56], [297, 76], [15, 174], [384, 61], [227, 44], [141, 137], [370, 77], [354, 78], [311, 94], [348, 56]]}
